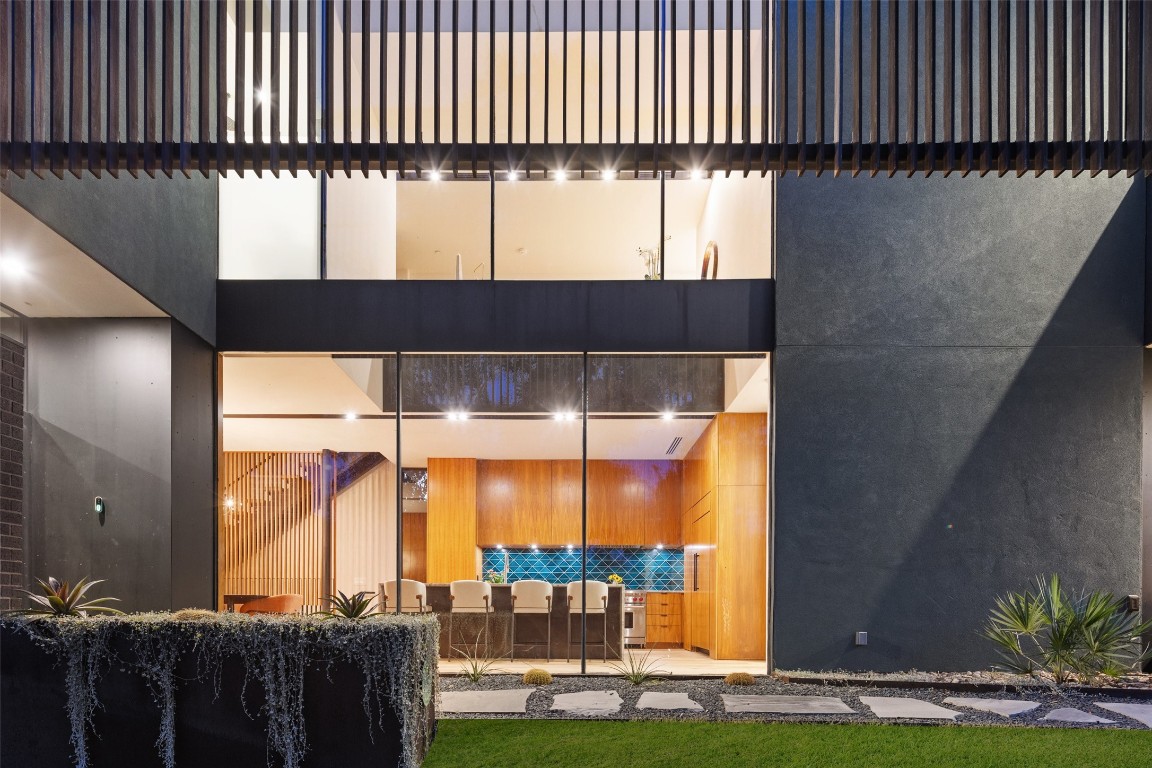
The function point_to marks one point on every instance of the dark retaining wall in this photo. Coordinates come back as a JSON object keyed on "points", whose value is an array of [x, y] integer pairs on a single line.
{"points": [[958, 407]]}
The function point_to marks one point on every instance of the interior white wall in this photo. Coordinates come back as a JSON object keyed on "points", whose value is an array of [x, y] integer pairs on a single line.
{"points": [[738, 216], [365, 531], [269, 227], [361, 227]]}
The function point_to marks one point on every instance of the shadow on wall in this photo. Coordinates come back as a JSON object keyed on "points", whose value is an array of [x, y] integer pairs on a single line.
{"points": [[921, 481]]}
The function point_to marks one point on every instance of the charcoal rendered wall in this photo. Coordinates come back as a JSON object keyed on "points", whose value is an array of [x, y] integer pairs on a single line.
{"points": [[158, 235], [103, 420], [958, 407], [11, 471]]}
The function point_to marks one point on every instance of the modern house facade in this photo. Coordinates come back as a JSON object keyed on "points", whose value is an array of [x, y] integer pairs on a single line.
{"points": [[821, 323]]}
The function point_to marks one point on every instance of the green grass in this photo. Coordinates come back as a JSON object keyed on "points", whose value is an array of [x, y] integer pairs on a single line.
{"points": [[582, 744]]}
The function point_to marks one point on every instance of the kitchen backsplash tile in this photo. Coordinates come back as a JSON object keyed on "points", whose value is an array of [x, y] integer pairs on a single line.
{"points": [[651, 569]]}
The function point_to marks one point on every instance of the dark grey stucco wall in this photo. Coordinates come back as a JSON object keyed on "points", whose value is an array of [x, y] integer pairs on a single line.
{"points": [[958, 407], [157, 235], [102, 421]]}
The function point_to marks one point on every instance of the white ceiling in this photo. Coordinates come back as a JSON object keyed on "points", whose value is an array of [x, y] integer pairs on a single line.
{"points": [[315, 391], [58, 279]]}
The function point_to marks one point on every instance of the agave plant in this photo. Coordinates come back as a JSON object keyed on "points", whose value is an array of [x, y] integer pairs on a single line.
{"points": [[1069, 635], [63, 599], [358, 606], [637, 669]]}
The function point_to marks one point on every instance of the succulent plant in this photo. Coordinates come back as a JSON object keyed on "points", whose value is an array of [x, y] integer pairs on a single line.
{"points": [[358, 606], [537, 677], [63, 599], [193, 614], [739, 678]]}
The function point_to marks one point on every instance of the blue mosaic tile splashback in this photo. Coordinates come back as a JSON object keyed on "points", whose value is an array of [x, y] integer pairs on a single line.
{"points": [[651, 569]]}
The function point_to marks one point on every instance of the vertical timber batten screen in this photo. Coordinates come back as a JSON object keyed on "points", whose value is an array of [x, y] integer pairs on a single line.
{"points": [[272, 521], [472, 88]]}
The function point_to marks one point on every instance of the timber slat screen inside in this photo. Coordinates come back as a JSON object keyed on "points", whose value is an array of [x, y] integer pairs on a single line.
{"points": [[471, 87]]}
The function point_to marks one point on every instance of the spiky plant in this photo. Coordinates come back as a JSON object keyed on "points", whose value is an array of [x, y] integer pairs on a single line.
{"points": [[358, 606], [740, 678], [537, 677], [637, 669], [1069, 635], [63, 599]]}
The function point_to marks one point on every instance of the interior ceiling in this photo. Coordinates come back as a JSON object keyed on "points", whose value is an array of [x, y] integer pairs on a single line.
{"points": [[316, 393], [58, 279]]}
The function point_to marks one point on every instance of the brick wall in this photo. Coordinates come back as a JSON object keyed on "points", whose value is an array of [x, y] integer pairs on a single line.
{"points": [[11, 472]]}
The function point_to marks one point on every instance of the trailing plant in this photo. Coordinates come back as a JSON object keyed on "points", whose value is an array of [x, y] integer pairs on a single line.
{"points": [[395, 654], [537, 677], [1067, 635], [358, 606], [60, 598], [739, 678], [637, 669]]}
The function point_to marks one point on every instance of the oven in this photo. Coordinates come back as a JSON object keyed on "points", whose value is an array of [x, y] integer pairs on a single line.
{"points": [[635, 619]]}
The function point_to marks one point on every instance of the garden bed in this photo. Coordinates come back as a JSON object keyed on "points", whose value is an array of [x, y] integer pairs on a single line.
{"points": [[217, 690]]}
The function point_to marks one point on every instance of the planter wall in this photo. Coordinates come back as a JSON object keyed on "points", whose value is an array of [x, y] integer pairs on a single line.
{"points": [[219, 719]]}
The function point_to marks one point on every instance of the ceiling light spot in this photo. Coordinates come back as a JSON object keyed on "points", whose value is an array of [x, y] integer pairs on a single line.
{"points": [[608, 174], [13, 267], [513, 175], [434, 175], [350, 416], [696, 174], [667, 416], [560, 175]]}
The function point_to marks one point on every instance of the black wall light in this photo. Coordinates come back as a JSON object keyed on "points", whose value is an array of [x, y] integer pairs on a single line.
{"points": [[99, 506]]}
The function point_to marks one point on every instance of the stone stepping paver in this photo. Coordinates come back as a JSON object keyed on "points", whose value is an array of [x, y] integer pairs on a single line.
{"points": [[512, 700], [591, 703], [667, 701], [1070, 715], [786, 705], [1004, 707], [910, 709], [1138, 712]]}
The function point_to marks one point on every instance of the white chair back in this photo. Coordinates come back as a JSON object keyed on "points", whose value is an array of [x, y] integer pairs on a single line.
{"points": [[597, 592], [531, 596], [413, 596], [471, 596]]}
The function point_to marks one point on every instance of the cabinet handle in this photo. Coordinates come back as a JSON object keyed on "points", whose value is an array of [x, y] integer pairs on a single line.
{"points": [[695, 571]]}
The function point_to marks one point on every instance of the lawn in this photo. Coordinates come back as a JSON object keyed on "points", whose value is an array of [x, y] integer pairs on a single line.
{"points": [[582, 744]]}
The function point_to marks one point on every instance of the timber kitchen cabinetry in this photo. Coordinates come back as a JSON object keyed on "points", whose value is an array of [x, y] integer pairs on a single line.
{"points": [[664, 613], [725, 538]]}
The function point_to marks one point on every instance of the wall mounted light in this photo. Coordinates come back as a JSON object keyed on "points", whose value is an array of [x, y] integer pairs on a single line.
{"points": [[434, 175], [513, 175], [98, 506], [350, 416], [608, 174]]}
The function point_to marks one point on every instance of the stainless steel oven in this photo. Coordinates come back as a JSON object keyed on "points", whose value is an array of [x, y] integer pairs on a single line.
{"points": [[635, 619]]}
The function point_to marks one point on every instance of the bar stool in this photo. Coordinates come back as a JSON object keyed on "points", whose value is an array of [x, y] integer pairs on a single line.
{"points": [[413, 596], [470, 596], [597, 603], [532, 596]]}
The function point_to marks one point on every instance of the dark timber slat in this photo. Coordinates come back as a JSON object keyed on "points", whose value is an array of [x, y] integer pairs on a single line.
{"points": [[76, 87], [293, 85], [57, 85], [150, 71], [275, 85], [240, 88], [328, 85], [96, 100], [185, 47], [819, 96], [672, 73], [112, 113], [203, 82], [1020, 26], [985, 78], [132, 72], [912, 94], [730, 24], [966, 103], [657, 116], [1096, 78], [711, 62], [801, 86], [16, 159], [1146, 69], [948, 100], [402, 81], [929, 88], [893, 85], [221, 104], [167, 85], [310, 65], [874, 57], [258, 82], [1078, 134], [782, 59], [1132, 86], [1059, 86], [857, 86], [1039, 159], [8, 74], [1003, 96], [767, 25], [346, 83], [691, 70], [1115, 87], [382, 84]]}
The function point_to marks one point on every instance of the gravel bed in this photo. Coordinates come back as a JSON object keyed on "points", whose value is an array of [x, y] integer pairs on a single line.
{"points": [[707, 691]]}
